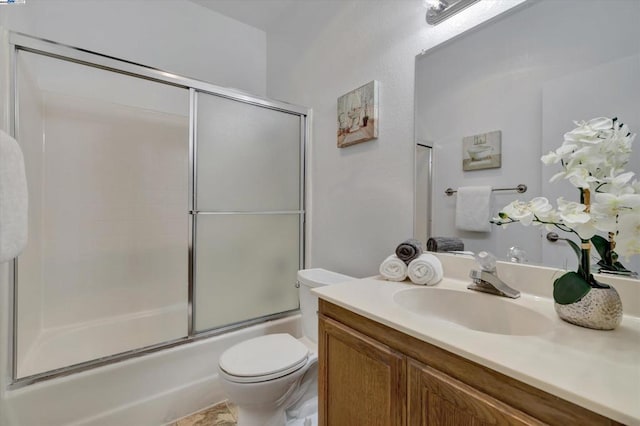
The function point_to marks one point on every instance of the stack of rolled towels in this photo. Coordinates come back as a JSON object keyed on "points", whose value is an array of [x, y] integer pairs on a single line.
{"points": [[410, 261]]}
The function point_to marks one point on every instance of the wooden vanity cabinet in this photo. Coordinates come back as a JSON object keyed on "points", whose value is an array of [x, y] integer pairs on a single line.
{"points": [[370, 374]]}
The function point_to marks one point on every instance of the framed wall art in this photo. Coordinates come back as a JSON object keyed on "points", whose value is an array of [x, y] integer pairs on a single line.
{"points": [[358, 115]]}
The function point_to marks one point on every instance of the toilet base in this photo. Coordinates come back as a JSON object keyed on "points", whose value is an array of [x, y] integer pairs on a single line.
{"points": [[303, 413], [311, 420], [261, 417], [264, 403]]}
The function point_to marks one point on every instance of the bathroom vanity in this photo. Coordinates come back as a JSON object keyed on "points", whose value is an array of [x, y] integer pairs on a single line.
{"points": [[384, 362]]}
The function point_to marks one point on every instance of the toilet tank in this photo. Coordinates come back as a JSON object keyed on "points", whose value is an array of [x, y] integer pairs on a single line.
{"points": [[308, 279]]}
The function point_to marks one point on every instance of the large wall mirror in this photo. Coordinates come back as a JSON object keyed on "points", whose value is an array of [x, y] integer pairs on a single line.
{"points": [[528, 74]]}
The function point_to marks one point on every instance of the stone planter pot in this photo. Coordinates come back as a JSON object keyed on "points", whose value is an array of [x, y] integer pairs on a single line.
{"points": [[600, 309]]}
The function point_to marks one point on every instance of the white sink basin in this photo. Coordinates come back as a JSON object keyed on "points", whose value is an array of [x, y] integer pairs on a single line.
{"points": [[475, 311]]}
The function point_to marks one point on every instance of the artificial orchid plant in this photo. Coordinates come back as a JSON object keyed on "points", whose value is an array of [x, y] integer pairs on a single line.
{"points": [[593, 157]]}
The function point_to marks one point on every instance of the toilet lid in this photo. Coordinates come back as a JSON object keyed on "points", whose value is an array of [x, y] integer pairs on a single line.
{"points": [[273, 355]]}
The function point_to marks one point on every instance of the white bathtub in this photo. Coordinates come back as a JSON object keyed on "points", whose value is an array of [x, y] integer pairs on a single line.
{"points": [[69, 345], [149, 390]]}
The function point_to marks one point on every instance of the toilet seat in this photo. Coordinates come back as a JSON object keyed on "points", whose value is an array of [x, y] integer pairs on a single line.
{"points": [[263, 358]]}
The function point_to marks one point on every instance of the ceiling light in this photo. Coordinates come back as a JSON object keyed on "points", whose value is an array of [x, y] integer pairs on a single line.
{"points": [[439, 10]]}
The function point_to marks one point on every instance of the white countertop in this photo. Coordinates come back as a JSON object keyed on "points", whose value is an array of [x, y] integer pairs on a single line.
{"points": [[598, 370]]}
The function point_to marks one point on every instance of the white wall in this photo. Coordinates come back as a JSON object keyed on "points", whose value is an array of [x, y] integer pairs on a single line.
{"points": [[361, 196], [173, 35]]}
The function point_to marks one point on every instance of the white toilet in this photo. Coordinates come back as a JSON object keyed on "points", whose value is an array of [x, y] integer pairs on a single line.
{"points": [[273, 378]]}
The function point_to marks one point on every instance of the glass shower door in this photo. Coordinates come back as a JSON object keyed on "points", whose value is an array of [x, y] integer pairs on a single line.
{"points": [[106, 267], [161, 209], [247, 211]]}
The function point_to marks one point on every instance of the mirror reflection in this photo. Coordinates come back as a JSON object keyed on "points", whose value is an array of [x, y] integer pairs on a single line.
{"points": [[491, 102]]}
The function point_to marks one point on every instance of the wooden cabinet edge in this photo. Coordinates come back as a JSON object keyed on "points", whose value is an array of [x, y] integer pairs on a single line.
{"points": [[541, 405]]}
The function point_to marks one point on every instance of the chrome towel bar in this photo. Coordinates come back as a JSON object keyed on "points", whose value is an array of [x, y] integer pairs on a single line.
{"points": [[520, 188]]}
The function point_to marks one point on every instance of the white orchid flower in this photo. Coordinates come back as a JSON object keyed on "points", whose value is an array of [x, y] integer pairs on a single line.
{"points": [[557, 176], [580, 178], [622, 179], [519, 210], [615, 203], [608, 207], [588, 132], [551, 158], [593, 157], [572, 213], [602, 217], [566, 149], [600, 123], [628, 240], [585, 230], [526, 212], [581, 134]]}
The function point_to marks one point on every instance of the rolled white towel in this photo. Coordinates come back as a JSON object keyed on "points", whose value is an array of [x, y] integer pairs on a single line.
{"points": [[393, 269], [425, 270]]}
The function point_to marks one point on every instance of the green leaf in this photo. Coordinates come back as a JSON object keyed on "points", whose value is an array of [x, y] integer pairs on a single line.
{"points": [[570, 288], [575, 248], [620, 267], [604, 267], [578, 251], [602, 246]]}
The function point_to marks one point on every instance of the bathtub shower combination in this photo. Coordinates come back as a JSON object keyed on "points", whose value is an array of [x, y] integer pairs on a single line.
{"points": [[162, 209]]}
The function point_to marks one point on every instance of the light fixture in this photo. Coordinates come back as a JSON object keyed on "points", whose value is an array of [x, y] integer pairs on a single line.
{"points": [[439, 10]]}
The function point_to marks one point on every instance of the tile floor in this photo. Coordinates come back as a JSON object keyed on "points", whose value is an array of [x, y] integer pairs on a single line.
{"points": [[223, 414]]}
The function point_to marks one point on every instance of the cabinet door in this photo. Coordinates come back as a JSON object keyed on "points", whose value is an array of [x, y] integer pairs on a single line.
{"points": [[361, 381], [438, 399]]}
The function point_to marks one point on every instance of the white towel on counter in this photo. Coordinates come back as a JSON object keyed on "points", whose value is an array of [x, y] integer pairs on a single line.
{"points": [[13, 199], [473, 208], [393, 269], [425, 270]]}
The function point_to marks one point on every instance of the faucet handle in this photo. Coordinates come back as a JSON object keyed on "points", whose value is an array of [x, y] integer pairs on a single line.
{"points": [[517, 255], [486, 260], [475, 275]]}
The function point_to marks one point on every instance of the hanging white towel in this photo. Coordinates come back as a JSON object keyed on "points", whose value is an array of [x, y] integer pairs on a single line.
{"points": [[425, 270], [13, 199], [473, 208], [393, 269]]}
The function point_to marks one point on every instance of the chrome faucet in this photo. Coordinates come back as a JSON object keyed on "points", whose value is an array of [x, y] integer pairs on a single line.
{"points": [[486, 279]]}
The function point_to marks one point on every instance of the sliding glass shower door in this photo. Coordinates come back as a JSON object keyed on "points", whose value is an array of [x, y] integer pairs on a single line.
{"points": [[160, 209], [247, 211], [106, 267]]}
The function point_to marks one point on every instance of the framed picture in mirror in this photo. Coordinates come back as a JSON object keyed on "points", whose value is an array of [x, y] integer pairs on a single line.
{"points": [[482, 151]]}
